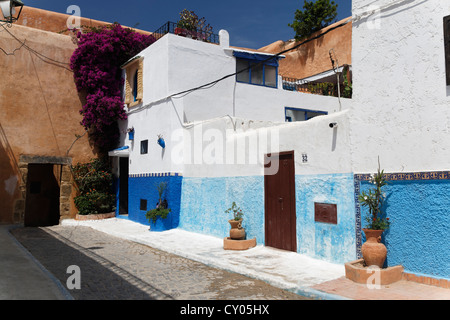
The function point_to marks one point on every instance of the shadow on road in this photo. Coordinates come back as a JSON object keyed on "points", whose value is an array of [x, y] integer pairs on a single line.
{"points": [[99, 278]]}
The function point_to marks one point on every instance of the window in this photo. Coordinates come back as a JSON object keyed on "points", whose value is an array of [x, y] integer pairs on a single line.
{"points": [[134, 82], [144, 146], [294, 114], [143, 204], [135, 86], [256, 69], [447, 48]]}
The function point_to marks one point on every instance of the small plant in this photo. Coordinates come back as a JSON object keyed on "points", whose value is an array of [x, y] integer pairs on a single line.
{"points": [[190, 21], [161, 209], [348, 89], [374, 199], [237, 211], [94, 181], [322, 88]]}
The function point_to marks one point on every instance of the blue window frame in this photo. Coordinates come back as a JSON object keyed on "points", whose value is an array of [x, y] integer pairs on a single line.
{"points": [[296, 114], [256, 69]]}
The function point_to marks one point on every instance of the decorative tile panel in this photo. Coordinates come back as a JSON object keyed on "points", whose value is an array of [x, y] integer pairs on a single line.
{"points": [[399, 176], [157, 174]]}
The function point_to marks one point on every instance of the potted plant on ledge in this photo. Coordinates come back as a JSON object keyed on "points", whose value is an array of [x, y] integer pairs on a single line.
{"points": [[236, 232], [160, 212], [374, 252]]}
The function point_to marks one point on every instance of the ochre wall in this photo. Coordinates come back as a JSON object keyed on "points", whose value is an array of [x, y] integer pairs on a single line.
{"points": [[313, 57], [39, 103], [55, 22], [39, 107]]}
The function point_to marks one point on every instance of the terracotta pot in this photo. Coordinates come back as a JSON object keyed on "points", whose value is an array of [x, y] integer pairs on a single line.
{"points": [[373, 251], [237, 232]]}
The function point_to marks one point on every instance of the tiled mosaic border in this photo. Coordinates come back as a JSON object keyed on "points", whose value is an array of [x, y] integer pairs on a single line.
{"points": [[158, 174], [401, 176]]}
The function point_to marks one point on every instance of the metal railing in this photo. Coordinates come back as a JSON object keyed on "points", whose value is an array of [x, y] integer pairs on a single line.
{"points": [[313, 87], [171, 27]]}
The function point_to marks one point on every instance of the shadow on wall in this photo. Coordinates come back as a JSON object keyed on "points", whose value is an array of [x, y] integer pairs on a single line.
{"points": [[9, 180]]}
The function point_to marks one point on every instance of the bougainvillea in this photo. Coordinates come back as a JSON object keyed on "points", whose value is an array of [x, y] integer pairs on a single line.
{"points": [[96, 66]]}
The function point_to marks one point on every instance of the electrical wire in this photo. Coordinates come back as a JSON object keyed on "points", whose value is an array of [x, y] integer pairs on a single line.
{"points": [[36, 53], [213, 83], [263, 61]]}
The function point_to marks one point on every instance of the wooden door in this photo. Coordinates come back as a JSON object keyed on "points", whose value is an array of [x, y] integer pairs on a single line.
{"points": [[279, 191]]}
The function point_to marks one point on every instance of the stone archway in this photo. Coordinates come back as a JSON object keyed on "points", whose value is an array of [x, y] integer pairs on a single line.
{"points": [[63, 175]]}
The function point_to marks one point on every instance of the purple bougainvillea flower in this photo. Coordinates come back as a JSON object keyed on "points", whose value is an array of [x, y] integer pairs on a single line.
{"points": [[96, 68]]}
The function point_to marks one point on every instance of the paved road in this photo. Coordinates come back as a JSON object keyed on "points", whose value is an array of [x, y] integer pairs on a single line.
{"points": [[112, 268]]}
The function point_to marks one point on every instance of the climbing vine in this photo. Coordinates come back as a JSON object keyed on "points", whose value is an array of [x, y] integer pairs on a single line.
{"points": [[96, 67]]}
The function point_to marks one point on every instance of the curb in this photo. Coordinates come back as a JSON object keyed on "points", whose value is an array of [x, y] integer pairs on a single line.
{"points": [[66, 295]]}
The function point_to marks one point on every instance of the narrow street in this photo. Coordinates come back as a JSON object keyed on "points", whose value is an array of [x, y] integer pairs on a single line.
{"points": [[115, 269]]}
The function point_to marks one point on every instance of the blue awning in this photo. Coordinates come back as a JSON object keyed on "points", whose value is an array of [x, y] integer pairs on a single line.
{"points": [[256, 57], [120, 152]]}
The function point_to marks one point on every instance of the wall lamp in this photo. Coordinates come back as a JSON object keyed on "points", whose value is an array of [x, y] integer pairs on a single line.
{"points": [[9, 11]]}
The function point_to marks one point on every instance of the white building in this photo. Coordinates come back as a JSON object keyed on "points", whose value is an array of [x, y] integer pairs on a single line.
{"points": [[218, 134]]}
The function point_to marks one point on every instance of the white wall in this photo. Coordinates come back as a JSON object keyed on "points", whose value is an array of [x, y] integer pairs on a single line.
{"points": [[174, 64], [400, 107], [227, 147]]}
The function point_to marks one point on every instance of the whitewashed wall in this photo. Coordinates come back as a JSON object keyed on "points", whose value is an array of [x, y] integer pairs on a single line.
{"points": [[174, 64], [230, 147], [400, 107]]}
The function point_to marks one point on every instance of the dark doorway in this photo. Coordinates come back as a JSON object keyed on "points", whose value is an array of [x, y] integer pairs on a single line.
{"points": [[42, 199], [123, 185], [279, 198]]}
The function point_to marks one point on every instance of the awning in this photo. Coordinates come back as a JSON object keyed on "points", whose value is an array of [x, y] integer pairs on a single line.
{"points": [[120, 152], [268, 59]]}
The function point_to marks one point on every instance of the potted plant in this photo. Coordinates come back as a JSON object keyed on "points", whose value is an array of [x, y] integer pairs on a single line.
{"points": [[236, 232], [374, 252], [191, 26], [161, 211]]}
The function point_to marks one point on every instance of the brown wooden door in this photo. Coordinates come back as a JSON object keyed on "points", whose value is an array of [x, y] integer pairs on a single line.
{"points": [[279, 190]]}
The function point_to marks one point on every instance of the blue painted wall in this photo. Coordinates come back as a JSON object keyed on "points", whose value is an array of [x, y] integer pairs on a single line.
{"points": [[204, 201], [330, 242], [419, 235], [146, 188]]}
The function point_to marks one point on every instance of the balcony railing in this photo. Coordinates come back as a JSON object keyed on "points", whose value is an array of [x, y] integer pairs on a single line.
{"points": [[171, 27], [320, 88]]}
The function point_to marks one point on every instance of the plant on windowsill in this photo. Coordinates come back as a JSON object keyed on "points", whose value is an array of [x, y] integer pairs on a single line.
{"points": [[161, 210], [236, 232], [374, 252]]}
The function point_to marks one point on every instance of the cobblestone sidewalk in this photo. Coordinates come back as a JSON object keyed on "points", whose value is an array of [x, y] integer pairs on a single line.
{"points": [[117, 269]]}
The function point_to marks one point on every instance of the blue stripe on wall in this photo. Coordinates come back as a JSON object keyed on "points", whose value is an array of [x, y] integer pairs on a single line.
{"points": [[419, 237], [331, 242], [204, 201], [145, 187]]}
